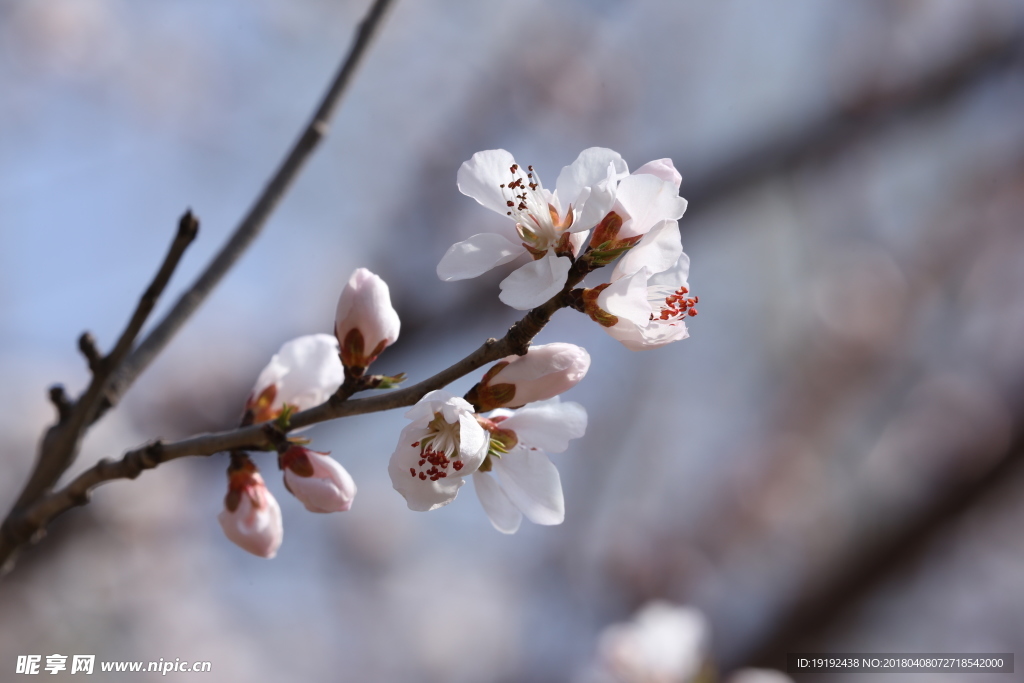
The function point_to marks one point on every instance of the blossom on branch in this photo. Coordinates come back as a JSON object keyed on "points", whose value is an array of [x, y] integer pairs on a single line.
{"points": [[549, 225], [251, 518], [303, 374], [317, 480], [365, 323], [442, 445], [545, 371], [518, 478]]}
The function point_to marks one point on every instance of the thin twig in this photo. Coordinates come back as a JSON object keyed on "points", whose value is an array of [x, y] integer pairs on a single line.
{"points": [[252, 224], [61, 441], [33, 520]]}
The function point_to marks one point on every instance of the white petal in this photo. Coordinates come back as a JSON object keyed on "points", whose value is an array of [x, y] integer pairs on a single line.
{"points": [[548, 425], [505, 517], [434, 401], [421, 495], [589, 169], [477, 255], [536, 282], [662, 168], [627, 298], [648, 200], [531, 482], [313, 370], [482, 176], [674, 277], [473, 443], [659, 250]]}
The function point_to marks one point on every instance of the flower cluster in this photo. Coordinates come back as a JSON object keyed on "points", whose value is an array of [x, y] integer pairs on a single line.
{"points": [[503, 429], [306, 372], [450, 438], [631, 217]]}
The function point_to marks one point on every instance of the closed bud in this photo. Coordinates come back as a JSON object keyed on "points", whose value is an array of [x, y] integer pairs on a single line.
{"points": [[317, 480], [544, 372], [251, 518], [365, 323]]}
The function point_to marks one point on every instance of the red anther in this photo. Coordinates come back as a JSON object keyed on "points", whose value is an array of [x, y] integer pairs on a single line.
{"points": [[416, 444], [692, 312], [510, 203], [423, 477], [529, 175], [443, 475], [508, 213], [529, 168], [502, 185], [420, 463], [515, 167], [412, 471], [696, 299], [457, 465]]}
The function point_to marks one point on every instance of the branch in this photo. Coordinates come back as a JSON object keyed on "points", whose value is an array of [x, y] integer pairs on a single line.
{"points": [[32, 522], [60, 443], [252, 224]]}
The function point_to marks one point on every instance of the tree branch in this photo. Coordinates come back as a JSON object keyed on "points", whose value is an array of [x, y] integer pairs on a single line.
{"points": [[32, 522], [252, 224]]}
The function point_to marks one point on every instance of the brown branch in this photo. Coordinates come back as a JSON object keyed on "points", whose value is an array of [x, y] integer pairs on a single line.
{"points": [[31, 523], [252, 224], [61, 441]]}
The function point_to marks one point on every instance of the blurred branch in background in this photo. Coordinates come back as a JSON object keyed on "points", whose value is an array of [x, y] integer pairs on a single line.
{"points": [[113, 374]]}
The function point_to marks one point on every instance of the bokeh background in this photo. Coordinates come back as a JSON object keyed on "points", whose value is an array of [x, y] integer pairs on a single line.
{"points": [[832, 462]]}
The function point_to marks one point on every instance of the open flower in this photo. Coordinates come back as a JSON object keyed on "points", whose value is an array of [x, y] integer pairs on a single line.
{"points": [[544, 372], [518, 478], [251, 518], [442, 445], [317, 480], [303, 374], [547, 224], [663, 643], [365, 323]]}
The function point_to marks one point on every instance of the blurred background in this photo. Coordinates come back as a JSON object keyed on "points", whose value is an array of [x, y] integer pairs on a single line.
{"points": [[834, 461]]}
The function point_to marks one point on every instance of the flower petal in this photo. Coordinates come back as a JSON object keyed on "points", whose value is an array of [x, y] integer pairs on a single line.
{"points": [[662, 168], [659, 250], [531, 482], [421, 495], [589, 169], [307, 370], [627, 298], [648, 200], [536, 282], [504, 516], [548, 425], [482, 176], [477, 255]]}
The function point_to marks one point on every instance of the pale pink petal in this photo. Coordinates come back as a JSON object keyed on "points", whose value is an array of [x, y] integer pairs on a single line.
{"points": [[648, 200], [420, 495], [536, 282], [658, 250], [626, 298], [306, 371], [588, 184], [548, 425], [477, 255], [531, 482], [365, 305], [256, 530], [504, 516], [544, 372], [482, 176], [330, 488], [473, 442], [662, 168]]}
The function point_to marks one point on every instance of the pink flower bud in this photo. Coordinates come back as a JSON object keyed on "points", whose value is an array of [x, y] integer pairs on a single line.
{"points": [[317, 480], [544, 372], [365, 323], [251, 518]]}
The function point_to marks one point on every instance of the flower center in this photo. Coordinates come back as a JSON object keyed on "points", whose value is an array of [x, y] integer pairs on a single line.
{"points": [[671, 306], [439, 450], [537, 220]]}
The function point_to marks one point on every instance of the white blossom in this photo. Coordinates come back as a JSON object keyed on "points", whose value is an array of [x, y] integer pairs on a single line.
{"points": [[520, 478], [663, 643], [543, 372], [303, 374], [251, 518], [365, 323], [442, 445], [318, 480]]}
